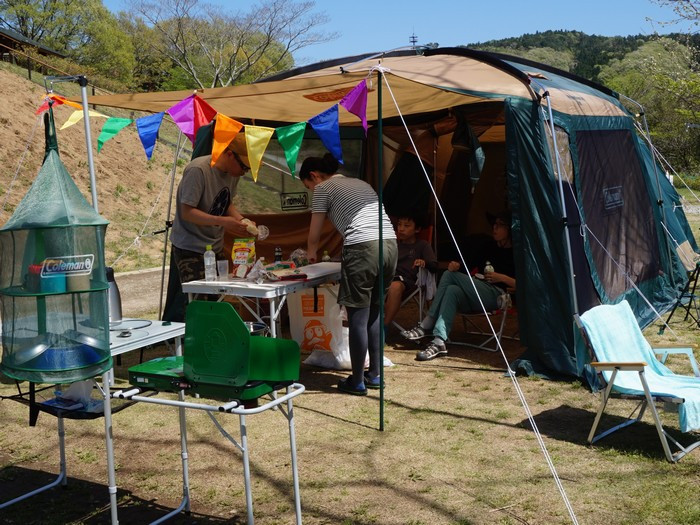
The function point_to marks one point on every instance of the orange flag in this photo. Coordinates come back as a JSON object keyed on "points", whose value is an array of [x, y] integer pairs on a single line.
{"points": [[225, 130]]}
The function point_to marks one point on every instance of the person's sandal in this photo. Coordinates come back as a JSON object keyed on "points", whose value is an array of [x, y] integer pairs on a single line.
{"points": [[373, 384], [431, 351], [345, 385], [415, 333]]}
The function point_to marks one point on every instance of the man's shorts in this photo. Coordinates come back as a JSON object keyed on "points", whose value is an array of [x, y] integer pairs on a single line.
{"points": [[359, 279]]}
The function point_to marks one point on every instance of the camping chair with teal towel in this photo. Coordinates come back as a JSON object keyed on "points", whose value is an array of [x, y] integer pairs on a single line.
{"points": [[632, 369], [223, 361]]}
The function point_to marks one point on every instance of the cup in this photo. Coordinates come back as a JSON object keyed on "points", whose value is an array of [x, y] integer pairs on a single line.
{"points": [[222, 269], [263, 232]]}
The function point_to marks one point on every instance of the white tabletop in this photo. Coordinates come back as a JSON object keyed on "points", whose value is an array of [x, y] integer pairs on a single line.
{"points": [[125, 339], [317, 274]]}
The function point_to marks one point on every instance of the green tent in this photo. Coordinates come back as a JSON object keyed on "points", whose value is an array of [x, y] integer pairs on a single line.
{"points": [[591, 211]]}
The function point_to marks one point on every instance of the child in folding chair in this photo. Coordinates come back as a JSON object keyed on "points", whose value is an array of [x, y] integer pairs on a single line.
{"points": [[455, 292], [414, 253]]}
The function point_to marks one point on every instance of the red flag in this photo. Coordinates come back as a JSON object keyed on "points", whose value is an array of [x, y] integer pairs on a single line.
{"points": [[203, 113]]}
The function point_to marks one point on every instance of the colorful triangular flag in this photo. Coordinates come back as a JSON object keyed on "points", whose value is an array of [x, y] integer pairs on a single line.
{"points": [[257, 138], [326, 125], [290, 138], [77, 116], [356, 102], [111, 127], [224, 131], [148, 131]]}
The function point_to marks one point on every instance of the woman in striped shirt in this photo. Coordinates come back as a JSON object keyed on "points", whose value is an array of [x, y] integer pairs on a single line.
{"points": [[353, 207]]}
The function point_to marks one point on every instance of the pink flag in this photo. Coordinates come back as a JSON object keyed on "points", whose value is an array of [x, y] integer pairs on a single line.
{"points": [[182, 114], [356, 102]]}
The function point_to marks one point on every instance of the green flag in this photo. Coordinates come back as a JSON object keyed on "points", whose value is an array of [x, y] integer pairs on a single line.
{"points": [[112, 126], [290, 138]]}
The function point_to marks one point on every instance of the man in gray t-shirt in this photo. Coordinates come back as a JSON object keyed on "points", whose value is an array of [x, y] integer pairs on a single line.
{"points": [[204, 211]]}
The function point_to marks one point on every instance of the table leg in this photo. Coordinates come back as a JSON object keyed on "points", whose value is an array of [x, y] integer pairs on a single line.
{"points": [[274, 315], [246, 469], [109, 444]]}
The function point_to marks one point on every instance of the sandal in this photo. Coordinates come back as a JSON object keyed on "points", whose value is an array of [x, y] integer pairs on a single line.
{"points": [[431, 351], [416, 333], [373, 384], [345, 385]]}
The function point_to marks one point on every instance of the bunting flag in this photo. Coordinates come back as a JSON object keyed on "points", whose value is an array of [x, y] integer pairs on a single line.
{"points": [[148, 131], [77, 116], [63, 100], [326, 125], [225, 130], [290, 138], [257, 138], [112, 126], [190, 114], [356, 102]]}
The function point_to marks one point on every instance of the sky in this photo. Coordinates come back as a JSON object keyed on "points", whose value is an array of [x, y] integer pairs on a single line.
{"points": [[380, 25]]}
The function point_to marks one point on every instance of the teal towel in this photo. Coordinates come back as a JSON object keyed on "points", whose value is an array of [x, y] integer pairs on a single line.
{"points": [[615, 336]]}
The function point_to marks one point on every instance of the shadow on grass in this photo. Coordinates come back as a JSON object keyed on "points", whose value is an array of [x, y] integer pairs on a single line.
{"points": [[82, 502], [571, 424]]}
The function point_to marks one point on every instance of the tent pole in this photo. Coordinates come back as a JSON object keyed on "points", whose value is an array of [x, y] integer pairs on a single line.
{"points": [[82, 81], [380, 183], [168, 223], [562, 202]]}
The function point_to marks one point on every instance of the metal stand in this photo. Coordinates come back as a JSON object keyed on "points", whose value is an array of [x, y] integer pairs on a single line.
{"points": [[232, 407], [60, 480]]}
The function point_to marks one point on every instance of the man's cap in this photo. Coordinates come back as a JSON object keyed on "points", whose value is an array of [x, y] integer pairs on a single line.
{"points": [[238, 146]]}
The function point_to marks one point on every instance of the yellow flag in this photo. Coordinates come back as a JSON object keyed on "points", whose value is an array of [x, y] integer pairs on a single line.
{"points": [[225, 130], [77, 117], [257, 138]]}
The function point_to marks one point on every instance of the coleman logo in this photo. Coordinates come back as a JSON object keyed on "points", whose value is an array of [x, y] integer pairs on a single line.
{"points": [[612, 197], [68, 264], [294, 201]]}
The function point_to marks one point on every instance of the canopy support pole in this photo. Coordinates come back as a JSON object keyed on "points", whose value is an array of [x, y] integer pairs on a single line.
{"points": [[168, 223], [82, 81], [380, 184]]}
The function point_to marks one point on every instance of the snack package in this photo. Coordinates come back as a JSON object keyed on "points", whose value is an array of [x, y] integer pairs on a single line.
{"points": [[243, 256]]}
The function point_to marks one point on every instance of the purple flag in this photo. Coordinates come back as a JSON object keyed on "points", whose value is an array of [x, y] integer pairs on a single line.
{"points": [[326, 125], [356, 102], [148, 131], [182, 114]]}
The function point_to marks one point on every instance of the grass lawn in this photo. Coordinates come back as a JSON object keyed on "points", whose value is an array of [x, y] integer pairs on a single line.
{"points": [[456, 449]]}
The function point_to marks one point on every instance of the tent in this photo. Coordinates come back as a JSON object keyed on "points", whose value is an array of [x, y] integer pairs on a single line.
{"points": [[591, 210]]}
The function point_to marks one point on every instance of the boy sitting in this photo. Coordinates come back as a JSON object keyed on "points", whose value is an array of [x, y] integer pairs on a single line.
{"points": [[414, 253]]}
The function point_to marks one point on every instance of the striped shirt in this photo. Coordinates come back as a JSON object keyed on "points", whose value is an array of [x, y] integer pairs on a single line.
{"points": [[352, 207]]}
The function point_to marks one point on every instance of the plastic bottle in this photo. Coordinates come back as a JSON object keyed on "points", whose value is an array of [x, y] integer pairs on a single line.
{"points": [[326, 257], [488, 267], [209, 264], [278, 254]]}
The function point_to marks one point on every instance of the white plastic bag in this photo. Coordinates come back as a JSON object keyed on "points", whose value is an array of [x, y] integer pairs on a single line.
{"points": [[319, 331]]}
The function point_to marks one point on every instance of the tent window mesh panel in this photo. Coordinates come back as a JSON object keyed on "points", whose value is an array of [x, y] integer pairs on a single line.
{"points": [[617, 209]]}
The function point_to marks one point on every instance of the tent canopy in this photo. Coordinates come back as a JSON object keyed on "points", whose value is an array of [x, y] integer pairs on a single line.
{"points": [[608, 185]]}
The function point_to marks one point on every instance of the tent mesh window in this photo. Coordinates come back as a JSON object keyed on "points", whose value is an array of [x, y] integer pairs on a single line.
{"points": [[53, 286]]}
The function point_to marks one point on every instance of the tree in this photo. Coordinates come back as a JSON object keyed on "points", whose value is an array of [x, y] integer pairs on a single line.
{"points": [[217, 49], [686, 10], [82, 29]]}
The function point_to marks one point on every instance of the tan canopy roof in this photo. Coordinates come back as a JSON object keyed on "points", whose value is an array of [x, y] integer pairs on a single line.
{"points": [[418, 83]]}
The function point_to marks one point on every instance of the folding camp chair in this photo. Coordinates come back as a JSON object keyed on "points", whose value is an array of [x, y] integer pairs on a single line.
{"points": [[473, 327], [425, 284], [687, 300], [630, 369]]}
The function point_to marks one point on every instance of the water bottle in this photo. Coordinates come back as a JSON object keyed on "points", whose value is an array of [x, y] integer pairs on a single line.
{"points": [[326, 257], [488, 267], [209, 264]]}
